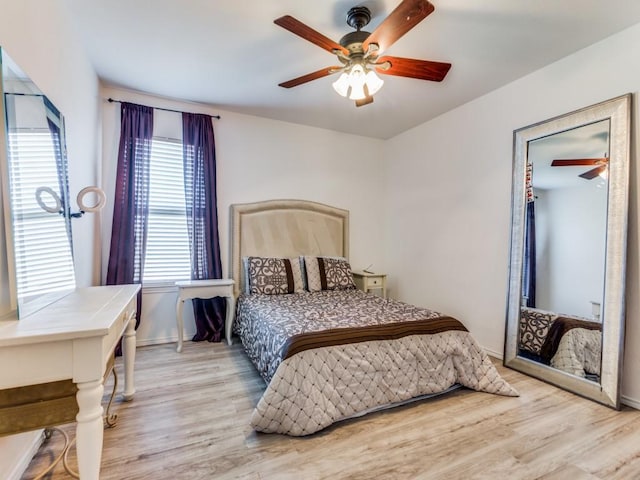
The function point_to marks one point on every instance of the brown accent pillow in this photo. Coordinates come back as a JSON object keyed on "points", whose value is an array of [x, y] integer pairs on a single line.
{"points": [[328, 273], [534, 326], [274, 276]]}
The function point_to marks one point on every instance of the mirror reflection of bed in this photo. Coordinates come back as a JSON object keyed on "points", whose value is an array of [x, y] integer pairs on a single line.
{"points": [[570, 344], [565, 239]]}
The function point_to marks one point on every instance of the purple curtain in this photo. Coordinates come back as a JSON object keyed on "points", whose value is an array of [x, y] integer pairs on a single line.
{"points": [[202, 220], [131, 199]]}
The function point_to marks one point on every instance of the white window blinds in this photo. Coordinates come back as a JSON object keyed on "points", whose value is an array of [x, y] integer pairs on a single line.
{"points": [[40, 238], [167, 256]]}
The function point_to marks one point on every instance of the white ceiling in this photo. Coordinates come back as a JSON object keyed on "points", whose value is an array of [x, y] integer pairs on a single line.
{"points": [[230, 54]]}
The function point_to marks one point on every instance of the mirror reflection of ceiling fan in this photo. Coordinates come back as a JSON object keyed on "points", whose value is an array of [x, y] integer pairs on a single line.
{"points": [[359, 52], [600, 165]]}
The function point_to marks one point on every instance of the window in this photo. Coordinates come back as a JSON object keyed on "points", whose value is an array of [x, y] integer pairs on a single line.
{"points": [[44, 263], [167, 256]]}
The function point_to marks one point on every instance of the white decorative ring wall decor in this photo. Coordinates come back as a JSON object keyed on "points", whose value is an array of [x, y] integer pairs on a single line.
{"points": [[100, 203], [102, 199], [58, 203]]}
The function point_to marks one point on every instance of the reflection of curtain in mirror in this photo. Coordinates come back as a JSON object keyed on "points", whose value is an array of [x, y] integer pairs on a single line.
{"points": [[529, 261], [53, 119]]}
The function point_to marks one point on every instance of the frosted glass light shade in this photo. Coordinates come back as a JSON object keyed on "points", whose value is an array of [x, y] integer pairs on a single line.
{"points": [[357, 79], [341, 86], [374, 83]]}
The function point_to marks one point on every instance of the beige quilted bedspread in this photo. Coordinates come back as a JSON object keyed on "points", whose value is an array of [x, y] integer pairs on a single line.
{"points": [[318, 387], [579, 352]]}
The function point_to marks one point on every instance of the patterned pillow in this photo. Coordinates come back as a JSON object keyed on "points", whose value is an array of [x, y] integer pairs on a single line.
{"points": [[274, 276], [328, 273], [534, 326]]}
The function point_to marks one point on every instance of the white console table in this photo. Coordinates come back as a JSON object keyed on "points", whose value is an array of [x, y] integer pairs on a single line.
{"points": [[73, 338], [190, 289]]}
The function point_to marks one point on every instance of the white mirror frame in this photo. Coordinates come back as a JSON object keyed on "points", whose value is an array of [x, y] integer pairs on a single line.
{"points": [[618, 111]]}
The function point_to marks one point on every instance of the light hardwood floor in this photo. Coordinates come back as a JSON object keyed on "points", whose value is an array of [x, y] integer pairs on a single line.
{"points": [[190, 420]]}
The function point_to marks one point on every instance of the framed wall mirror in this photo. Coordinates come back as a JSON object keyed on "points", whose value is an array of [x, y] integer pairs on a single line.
{"points": [[565, 304], [35, 193]]}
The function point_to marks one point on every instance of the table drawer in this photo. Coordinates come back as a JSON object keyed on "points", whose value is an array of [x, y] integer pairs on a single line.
{"points": [[374, 282]]}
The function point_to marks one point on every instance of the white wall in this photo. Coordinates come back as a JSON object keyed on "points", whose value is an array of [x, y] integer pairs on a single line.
{"points": [[261, 159], [449, 184], [544, 243], [40, 40], [575, 237]]}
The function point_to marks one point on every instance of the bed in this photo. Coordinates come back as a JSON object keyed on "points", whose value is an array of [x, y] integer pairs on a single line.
{"points": [[328, 351], [568, 343]]}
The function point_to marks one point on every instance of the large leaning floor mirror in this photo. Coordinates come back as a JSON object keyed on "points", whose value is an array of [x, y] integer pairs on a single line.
{"points": [[35, 194], [565, 312]]}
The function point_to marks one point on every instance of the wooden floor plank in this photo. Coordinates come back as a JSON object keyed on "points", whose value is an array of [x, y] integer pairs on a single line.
{"points": [[190, 421]]}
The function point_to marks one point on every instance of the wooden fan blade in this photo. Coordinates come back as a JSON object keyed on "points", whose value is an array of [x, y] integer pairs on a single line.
{"points": [[420, 69], [594, 172], [296, 26], [310, 76], [572, 162], [406, 16], [365, 101]]}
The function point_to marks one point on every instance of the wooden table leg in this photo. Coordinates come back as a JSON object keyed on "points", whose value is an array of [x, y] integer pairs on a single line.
{"points": [[89, 430], [180, 322], [231, 310], [129, 357]]}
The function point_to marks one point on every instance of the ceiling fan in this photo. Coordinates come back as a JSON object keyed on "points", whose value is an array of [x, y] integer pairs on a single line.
{"points": [[600, 165], [359, 51]]}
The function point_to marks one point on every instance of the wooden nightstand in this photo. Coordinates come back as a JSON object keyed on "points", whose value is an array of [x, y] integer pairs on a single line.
{"points": [[371, 281]]}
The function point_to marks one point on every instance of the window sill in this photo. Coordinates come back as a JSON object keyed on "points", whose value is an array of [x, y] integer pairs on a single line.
{"points": [[159, 287]]}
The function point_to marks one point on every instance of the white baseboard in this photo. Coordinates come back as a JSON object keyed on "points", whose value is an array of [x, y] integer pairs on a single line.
{"points": [[145, 342], [16, 452], [630, 402], [492, 353]]}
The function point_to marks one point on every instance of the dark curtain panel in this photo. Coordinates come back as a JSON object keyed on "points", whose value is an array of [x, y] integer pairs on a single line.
{"points": [[529, 263], [131, 198], [61, 163], [202, 220]]}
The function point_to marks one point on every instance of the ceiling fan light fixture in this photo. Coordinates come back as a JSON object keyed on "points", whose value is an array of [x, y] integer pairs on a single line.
{"points": [[352, 83], [359, 51]]}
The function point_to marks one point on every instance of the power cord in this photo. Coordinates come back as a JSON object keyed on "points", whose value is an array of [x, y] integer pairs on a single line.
{"points": [[48, 432]]}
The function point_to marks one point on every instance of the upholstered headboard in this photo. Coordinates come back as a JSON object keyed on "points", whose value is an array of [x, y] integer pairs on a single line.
{"points": [[286, 228]]}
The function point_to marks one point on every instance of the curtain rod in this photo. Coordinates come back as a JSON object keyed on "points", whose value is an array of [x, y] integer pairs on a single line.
{"points": [[111, 100]]}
